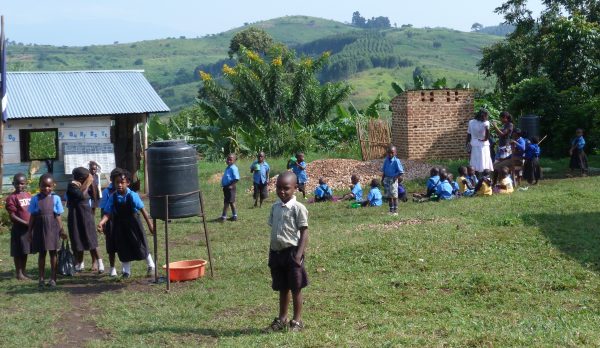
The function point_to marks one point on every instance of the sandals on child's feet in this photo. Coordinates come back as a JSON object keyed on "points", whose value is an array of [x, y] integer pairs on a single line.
{"points": [[296, 326], [277, 325]]}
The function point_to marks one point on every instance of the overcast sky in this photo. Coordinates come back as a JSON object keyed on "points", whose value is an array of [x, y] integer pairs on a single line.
{"points": [[85, 22]]}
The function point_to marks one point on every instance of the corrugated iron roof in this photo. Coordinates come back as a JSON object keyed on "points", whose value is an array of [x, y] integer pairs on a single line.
{"points": [[77, 93]]}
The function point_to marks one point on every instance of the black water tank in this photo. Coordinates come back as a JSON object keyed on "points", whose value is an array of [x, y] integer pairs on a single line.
{"points": [[173, 171], [530, 124]]}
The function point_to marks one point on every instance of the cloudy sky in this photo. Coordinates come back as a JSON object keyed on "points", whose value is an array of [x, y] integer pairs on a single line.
{"points": [[85, 22]]}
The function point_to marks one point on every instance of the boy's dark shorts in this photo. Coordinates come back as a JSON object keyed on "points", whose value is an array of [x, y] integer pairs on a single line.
{"points": [[228, 194], [286, 273], [301, 186], [262, 190]]}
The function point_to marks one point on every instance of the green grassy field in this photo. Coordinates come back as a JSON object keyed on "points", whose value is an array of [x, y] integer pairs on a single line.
{"points": [[169, 63], [518, 270]]}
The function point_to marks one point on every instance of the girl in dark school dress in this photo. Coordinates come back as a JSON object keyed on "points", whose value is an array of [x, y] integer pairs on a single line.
{"points": [[45, 227], [124, 208], [17, 204], [82, 229], [109, 236]]}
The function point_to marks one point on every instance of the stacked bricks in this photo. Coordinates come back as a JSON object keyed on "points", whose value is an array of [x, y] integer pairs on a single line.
{"points": [[431, 124]]}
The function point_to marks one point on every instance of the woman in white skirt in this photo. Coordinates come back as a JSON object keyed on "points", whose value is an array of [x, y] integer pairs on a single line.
{"points": [[477, 141]]}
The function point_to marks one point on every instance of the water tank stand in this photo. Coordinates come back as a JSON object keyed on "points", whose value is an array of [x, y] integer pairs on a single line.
{"points": [[201, 214]]}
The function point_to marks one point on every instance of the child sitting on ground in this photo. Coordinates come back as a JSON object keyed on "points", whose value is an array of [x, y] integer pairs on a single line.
{"points": [[356, 191], [444, 189], [506, 185], [472, 176], [466, 189], [484, 186], [432, 182], [531, 169], [323, 191], [454, 184], [374, 198]]}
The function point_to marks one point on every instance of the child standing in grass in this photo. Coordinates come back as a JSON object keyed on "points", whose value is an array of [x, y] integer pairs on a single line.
{"points": [[392, 170], [260, 177], [356, 192], [109, 236], [578, 157], [374, 198], [289, 236], [81, 225], [323, 192], [531, 169], [299, 168], [45, 227], [123, 208], [229, 180], [17, 204]]}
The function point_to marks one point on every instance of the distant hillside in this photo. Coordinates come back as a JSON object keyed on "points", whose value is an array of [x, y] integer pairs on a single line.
{"points": [[170, 64]]}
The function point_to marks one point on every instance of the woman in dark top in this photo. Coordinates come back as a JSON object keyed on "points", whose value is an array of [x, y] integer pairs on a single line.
{"points": [[82, 229], [504, 136]]}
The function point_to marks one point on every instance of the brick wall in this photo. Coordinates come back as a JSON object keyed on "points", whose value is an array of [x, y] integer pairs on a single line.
{"points": [[431, 124]]}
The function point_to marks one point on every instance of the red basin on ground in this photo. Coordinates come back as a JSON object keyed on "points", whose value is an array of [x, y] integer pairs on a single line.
{"points": [[186, 270]]}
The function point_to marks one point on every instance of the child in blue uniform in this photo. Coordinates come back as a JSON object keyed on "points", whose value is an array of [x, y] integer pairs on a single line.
{"points": [[392, 170], [229, 180], [356, 192], [432, 183], [578, 157], [323, 191], [472, 176], [109, 236], [374, 198], [532, 171], [45, 227], [123, 208], [260, 177], [454, 184], [299, 168], [444, 189]]}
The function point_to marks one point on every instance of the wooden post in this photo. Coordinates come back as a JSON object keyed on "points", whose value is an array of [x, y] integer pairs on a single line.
{"points": [[2, 48], [145, 148]]}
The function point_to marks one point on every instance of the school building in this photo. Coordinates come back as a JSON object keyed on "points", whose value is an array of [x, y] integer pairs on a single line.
{"points": [[62, 120]]}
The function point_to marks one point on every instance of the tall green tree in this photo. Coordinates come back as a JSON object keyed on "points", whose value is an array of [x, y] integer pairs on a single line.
{"points": [[253, 38], [277, 95], [550, 65]]}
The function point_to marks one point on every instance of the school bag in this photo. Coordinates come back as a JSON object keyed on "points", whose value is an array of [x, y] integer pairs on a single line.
{"points": [[66, 264]]}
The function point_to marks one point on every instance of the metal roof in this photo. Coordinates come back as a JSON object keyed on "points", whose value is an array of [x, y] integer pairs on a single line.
{"points": [[80, 93]]}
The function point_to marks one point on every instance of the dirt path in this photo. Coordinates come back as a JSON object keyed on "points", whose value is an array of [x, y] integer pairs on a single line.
{"points": [[76, 324]]}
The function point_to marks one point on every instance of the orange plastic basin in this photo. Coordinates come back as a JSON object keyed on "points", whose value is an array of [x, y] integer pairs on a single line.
{"points": [[186, 270]]}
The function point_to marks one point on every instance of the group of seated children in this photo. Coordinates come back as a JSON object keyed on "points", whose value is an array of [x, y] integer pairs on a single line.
{"points": [[441, 184], [374, 197]]}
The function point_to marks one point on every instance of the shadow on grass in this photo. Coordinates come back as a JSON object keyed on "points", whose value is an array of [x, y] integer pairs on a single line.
{"points": [[84, 284], [574, 234], [215, 333]]}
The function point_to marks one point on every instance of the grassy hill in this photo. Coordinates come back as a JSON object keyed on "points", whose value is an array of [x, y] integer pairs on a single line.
{"points": [[169, 63]]}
